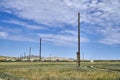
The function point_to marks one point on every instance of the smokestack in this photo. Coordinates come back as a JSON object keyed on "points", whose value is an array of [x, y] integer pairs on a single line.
{"points": [[40, 51], [78, 53]]}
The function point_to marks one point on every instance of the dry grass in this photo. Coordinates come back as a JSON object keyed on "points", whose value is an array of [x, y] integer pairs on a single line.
{"points": [[57, 71]]}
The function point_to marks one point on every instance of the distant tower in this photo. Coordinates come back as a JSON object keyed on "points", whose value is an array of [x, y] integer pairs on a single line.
{"points": [[78, 53], [40, 51]]}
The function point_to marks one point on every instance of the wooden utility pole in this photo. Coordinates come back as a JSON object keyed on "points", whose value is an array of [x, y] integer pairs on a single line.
{"points": [[78, 53], [40, 51], [83, 56], [29, 53], [24, 55]]}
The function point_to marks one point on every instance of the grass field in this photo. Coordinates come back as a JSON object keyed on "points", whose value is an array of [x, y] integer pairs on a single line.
{"points": [[59, 71]]}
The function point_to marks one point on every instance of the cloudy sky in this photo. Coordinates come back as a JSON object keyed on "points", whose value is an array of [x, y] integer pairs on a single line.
{"points": [[23, 22]]}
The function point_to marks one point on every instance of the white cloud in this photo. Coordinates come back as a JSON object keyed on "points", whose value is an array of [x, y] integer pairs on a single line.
{"points": [[25, 24], [42, 11], [16, 34], [64, 11], [21, 38], [111, 35], [60, 39], [69, 32], [3, 34], [54, 13]]}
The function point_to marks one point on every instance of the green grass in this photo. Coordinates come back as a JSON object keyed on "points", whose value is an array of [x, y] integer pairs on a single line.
{"points": [[59, 71]]}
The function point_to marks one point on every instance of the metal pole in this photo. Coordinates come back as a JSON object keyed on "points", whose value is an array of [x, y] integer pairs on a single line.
{"points": [[78, 54], [40, 51]]}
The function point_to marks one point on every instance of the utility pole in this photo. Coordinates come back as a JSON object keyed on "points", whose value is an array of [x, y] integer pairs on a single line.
{"points": [[40, 51], [50, 57], [78, 53], [83, 56], [29, 53], [24, 55]]}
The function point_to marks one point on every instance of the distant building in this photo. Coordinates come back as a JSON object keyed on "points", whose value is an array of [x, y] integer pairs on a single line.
{"points": [[91, 60], [32, 60], [24, 59]]}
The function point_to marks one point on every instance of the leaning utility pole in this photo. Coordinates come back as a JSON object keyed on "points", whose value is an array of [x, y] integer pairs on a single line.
{"points": [[40, 51], [78, 53]]}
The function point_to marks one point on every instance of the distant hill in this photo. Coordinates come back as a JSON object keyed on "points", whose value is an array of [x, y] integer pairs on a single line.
{"points": [[34, 57]]}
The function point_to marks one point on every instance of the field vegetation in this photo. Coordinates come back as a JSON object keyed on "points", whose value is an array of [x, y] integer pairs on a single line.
{"points": [[59, 71]]}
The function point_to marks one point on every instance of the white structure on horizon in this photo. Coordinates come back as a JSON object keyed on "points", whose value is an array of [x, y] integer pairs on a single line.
{"points": [[91, 60]]}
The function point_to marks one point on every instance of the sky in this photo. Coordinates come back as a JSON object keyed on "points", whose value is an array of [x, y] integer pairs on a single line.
{"points": [[24, 22]]}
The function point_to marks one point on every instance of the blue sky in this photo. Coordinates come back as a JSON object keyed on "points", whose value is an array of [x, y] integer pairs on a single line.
{"points": [[23, 22]]}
